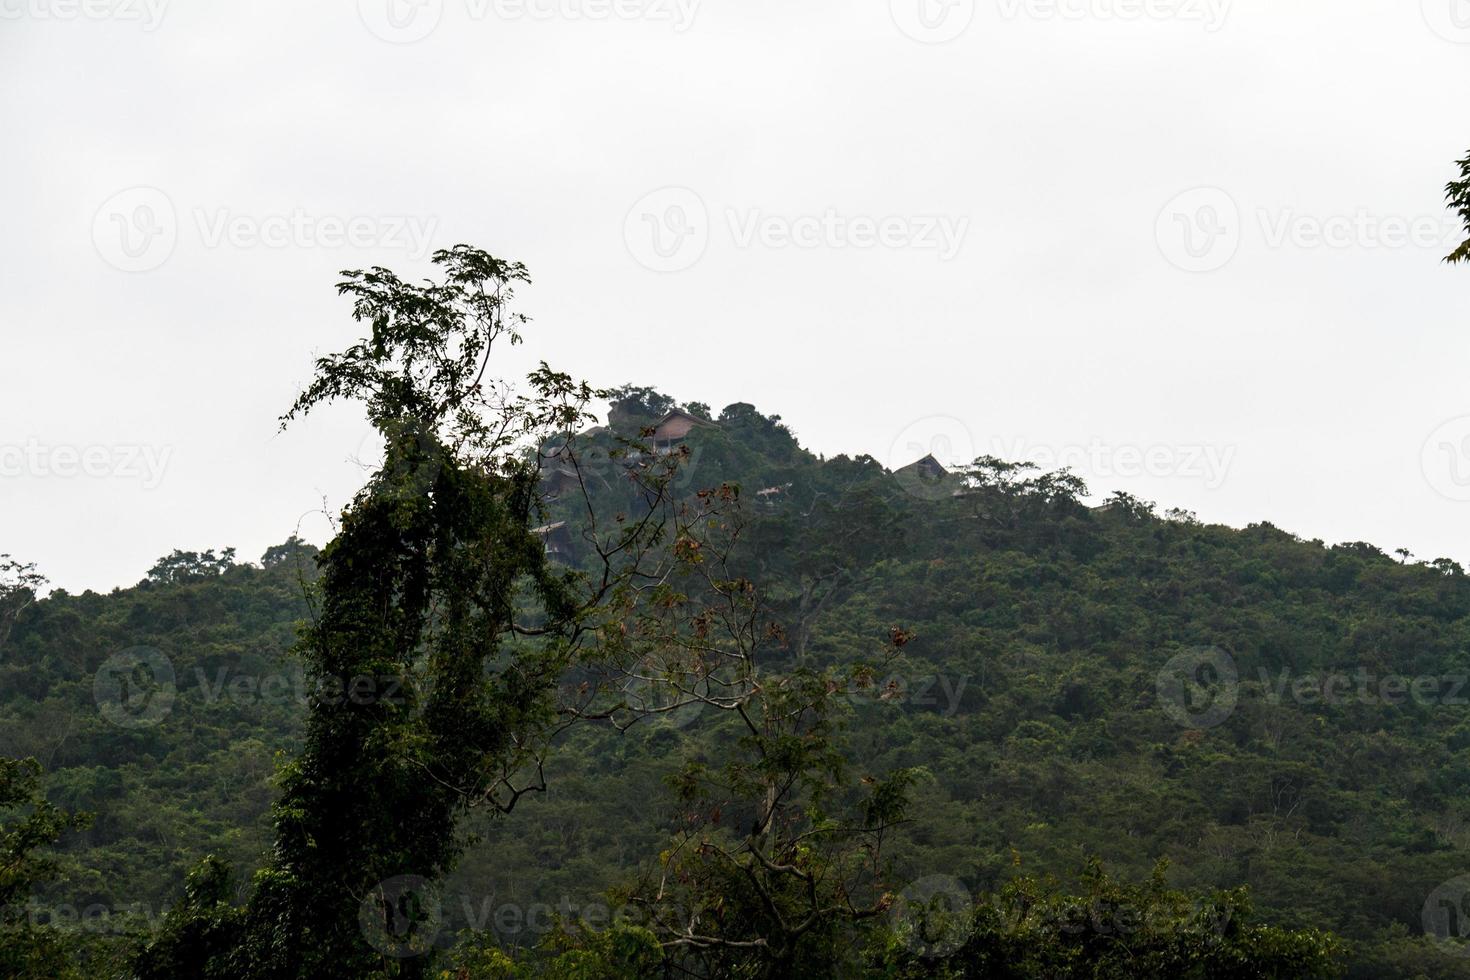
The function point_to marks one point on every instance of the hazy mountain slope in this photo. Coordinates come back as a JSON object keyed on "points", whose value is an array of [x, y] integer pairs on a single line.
{"points": [[1049, 691]]}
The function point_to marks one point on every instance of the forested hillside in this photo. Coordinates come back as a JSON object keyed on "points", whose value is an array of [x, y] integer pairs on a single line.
{"points": [[1075, 687]]}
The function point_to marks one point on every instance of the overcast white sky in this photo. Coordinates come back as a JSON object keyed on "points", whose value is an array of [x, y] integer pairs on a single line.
{"points": [[1189, 246]]}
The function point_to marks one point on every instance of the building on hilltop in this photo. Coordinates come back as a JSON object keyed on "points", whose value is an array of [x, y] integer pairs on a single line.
{"points": [[558, 480], [930, 478], [558, 540], [670, 431], [575, 464], [927, 468], [771, 496]]}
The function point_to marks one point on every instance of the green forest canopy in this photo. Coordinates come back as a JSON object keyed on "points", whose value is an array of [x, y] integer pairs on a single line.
{"points": [[1028, 700]]}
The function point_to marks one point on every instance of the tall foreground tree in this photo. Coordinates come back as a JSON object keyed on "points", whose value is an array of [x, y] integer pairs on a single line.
{"points": [[439, 633], [778, 862], [1457, 194]]}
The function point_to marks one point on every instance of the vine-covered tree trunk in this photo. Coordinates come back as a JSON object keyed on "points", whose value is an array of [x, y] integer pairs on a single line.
{"points": [[415, 587], [409, 722]]}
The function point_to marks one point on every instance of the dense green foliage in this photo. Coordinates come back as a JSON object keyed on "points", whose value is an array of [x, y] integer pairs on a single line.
{"points": [[1031, 930], [1027, 701], [28, 948], [1457, 195]]}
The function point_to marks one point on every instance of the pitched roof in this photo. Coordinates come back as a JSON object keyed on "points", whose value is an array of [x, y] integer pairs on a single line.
{"points": [[928, 464], [679, 413], [677, 424]]}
